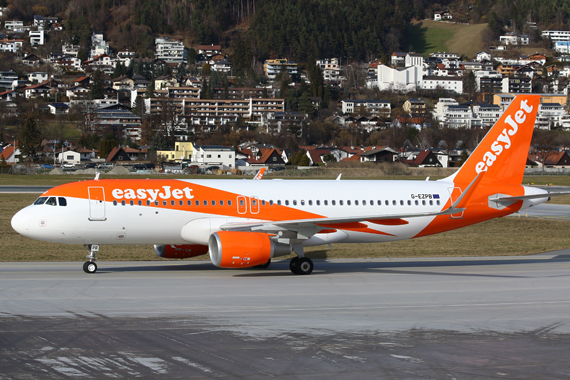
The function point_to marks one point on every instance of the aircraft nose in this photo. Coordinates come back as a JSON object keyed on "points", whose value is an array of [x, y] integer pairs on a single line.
{"points": [[21, 222]]}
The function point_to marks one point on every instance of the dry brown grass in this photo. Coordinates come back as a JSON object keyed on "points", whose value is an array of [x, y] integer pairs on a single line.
{"points": [[506, 236]]}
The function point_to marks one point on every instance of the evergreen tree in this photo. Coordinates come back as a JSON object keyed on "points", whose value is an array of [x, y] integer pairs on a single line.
{"points": [[107, 145], [470, 85], [150, 89], [30, 139], [97, 85], [159, 142], [305, 105], [191, 56]]}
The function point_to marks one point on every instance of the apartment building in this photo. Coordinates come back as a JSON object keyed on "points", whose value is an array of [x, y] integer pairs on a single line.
{"points": [[556, 35], [170, 50], [115, 119], [216, 111], [330, 68], [36, 37], [99, 46], [375, 107], [272, 67]]}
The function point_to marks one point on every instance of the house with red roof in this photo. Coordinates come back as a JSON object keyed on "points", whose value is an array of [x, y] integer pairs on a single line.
{"points": [[36, 90], [424, 159], [10, 154], [267, 156]]}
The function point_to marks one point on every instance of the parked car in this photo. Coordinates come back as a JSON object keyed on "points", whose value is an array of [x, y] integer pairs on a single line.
{"points": [[47, 166], [68, 165], [105, 166], [91, 165]]}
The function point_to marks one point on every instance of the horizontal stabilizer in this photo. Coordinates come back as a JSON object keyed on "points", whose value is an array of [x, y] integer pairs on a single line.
{"points": [[528, 197]]}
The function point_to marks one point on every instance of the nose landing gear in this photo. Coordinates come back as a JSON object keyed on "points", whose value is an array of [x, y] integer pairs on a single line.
{"points": [[90, 266]]}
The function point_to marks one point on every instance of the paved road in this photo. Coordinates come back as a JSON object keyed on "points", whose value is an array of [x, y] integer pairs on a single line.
{"points": [[462, 318]]}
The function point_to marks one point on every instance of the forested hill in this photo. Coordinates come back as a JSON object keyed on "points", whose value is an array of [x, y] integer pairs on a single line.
{"points": [[296, 29]]}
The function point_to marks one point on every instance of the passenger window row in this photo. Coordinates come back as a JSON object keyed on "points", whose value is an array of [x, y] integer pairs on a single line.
{"points": [[286, 203]]}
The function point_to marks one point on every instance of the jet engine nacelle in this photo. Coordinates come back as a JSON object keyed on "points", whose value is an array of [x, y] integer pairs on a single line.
{"points": [[180, 251], [235, 249]]}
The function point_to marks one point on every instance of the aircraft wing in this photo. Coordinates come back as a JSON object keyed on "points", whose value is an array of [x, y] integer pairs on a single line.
{"points": [[305, 228]]}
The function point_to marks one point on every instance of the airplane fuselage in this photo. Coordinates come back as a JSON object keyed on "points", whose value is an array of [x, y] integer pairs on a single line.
{"points": [[188, 211]]}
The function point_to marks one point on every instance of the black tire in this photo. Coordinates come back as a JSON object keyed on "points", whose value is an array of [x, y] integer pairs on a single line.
{"points": [[89, 267], [293, 265], [264, 266], [304, 266]]}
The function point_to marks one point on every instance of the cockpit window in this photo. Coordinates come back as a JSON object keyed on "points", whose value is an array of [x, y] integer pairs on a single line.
{"points": [[62, 201], [40, 201], [51, 201]]}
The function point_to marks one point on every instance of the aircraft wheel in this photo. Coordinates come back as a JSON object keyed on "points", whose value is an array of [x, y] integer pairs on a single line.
{"points": [[304, 266], [293, 265], [90, 267], [264, 266]]}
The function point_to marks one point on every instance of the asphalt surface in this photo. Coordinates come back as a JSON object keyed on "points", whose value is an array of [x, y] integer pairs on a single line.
{"points": [[459, 318], [24, 189]]}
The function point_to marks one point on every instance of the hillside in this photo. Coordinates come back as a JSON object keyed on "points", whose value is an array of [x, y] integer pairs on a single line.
{"points": [[428, 36]]}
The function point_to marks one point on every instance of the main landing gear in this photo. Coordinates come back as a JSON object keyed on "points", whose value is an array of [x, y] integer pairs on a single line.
{"points": [[301, 265], [90, 266]]}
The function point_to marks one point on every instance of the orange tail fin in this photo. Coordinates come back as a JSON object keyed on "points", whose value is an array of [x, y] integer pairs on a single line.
{"points": [[504, 150]]}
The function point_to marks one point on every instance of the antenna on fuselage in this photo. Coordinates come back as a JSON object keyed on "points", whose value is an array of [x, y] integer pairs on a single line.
{"points": [[97, 176], [338, 178]]}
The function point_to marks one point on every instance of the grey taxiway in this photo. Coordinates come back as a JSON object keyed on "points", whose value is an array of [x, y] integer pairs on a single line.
{"points": [[453, 318]]}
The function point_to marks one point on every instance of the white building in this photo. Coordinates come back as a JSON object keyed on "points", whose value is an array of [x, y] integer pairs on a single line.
{"points": [[486, 114], [400, 80], [562, 46], [170, 50], [14, 25], [69, 157], [483, 56], [556, 35], [514, 39], [214, 155], [413, 59], [272, 67], [375, 107], [37, 77], [70, 49], [474, 115], [441, 107], [11, 46], [452, 84], [330, 68], [36, 37], [442, 15], [552, 115], [98, 45]]}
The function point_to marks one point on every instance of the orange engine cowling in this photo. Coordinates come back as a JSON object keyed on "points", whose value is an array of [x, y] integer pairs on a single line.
{"points": [[180, 251], [234, 249]]}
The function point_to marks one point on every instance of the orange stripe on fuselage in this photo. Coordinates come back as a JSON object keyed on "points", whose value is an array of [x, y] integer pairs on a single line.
{"points": [[175, 190]]}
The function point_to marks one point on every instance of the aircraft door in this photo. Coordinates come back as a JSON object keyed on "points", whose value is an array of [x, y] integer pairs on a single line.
{"points": [[254, 207], [241, 204], [96, 203], [455, 193]]}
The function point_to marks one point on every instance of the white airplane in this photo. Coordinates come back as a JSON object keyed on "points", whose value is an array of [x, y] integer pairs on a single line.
{"points": [[247, 223]]}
